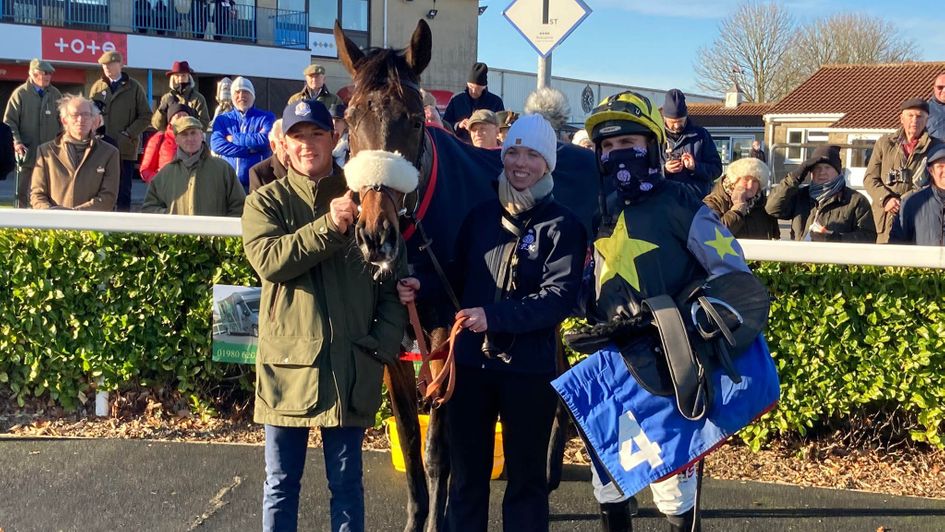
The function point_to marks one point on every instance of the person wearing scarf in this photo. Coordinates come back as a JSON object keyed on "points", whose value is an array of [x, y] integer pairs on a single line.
{"points": [[823, 209], [921, 219], [517, 276], [194, 183], [739, 200]]}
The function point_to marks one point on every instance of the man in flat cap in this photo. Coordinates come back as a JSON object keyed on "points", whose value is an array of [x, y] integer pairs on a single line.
{"points": [[476, 96], [182, 89], [897, 167], [33, 120], [126, 113], [483, 127], [194, 183], [315, 88]]}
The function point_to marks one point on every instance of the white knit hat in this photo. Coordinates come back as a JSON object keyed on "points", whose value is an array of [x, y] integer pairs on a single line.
{"points": [[533, 132], [749, 166], [579, 136], [242, 84]]}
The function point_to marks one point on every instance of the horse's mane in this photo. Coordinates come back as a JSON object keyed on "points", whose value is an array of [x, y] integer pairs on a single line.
{"points": [[381, 69]]}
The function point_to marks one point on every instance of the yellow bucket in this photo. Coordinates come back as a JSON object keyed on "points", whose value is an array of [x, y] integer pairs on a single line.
{"points": [[397, 455]]}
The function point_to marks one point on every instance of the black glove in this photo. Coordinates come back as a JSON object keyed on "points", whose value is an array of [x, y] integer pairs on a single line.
{"points": [[589, 339]]}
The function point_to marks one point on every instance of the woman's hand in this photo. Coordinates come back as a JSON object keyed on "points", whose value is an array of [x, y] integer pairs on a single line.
{"points": [[407, 289], [474, 319]]}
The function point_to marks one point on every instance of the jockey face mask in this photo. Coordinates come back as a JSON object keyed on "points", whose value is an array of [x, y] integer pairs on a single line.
{"points": [[631, 172]]}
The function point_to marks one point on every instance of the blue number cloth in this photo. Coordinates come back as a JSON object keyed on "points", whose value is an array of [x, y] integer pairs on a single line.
{"points": [[639, 437]]}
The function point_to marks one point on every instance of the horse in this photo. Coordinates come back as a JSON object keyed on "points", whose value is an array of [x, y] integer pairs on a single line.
{"points": [[385, 115]]}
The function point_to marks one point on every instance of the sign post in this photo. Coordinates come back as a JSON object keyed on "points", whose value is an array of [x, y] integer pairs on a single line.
{"points": [[544, 24]]}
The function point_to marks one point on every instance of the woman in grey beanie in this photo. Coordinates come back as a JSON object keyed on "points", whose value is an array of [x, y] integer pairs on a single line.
{"points": [[517, 275]]}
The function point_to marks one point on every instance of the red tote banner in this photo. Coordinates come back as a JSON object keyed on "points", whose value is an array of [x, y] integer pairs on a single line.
{"points": [[81, 46]]}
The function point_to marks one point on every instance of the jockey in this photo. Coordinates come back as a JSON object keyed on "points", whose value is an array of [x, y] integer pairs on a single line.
{"points": [[655, 238]]}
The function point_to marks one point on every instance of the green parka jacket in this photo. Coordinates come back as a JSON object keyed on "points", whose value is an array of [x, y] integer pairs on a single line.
{"points": [[890, 174], [33, 119], [210, 188], [326, 328], [127, 113]]}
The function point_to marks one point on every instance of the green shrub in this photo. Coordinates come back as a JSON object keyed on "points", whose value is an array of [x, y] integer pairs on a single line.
{"points": [[135, 309], [127, 308]]}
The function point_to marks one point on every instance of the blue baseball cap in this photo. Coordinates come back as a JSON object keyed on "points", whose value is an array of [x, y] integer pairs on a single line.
{"points": [[306, 111]]}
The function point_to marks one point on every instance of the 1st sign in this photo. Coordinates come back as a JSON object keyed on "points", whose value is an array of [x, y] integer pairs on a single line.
{"points": [[546, 23]]}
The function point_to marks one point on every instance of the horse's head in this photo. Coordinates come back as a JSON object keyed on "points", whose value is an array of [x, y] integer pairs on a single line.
{"points": [[386, 128]]}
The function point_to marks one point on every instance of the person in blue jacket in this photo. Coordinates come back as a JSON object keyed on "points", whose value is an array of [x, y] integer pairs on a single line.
{"points": [[517, 275], [690, 156], [241, 136], [921, 219]]}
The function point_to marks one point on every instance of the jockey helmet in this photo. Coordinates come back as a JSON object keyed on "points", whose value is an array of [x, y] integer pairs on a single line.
{"points": [[625, 113]]}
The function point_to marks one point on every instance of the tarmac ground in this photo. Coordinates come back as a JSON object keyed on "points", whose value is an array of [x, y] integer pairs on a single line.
{"points": [[106, 485]]}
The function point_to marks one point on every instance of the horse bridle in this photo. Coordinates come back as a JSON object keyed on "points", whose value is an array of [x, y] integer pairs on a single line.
{"points": [[405, 215]]}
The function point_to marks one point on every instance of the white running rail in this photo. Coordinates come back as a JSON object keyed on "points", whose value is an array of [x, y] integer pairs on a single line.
{"points": [[763, 250]]}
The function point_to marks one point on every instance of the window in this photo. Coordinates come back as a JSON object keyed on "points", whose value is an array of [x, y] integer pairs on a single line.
{"points": [[794, 152], [322, 13], [723, 146], [353, 14], [741, 147], [861, 152]]}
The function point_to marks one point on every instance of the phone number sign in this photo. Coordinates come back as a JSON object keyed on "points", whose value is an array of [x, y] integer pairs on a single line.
{"points": [[81, 46]]}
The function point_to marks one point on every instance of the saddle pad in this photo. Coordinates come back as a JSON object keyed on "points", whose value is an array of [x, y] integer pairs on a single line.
{"points": [[640, 437]]}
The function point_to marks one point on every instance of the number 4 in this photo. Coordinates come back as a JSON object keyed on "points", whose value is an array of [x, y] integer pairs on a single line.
{"points": [[629, 432]]}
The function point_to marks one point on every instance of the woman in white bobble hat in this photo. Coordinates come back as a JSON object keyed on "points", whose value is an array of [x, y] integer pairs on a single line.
{"points": [[739, 200], [517, 275]]}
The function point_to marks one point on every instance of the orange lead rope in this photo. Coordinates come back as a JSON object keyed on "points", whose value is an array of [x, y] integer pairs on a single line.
{"points": [[424, 379], [430, 387], [448, 374]]}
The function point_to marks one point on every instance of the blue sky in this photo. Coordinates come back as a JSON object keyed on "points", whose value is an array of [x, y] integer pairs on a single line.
{"points": [[653, 43]]}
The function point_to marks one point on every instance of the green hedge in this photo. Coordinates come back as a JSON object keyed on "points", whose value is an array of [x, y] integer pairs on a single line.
{"points": [[135, 309]]}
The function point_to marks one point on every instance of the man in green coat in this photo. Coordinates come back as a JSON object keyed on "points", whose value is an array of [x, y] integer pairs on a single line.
{"points": [[897, 167], [326, 328], [33, 117], [315, 88], [127, 114], [183, 89], [195, 182]]}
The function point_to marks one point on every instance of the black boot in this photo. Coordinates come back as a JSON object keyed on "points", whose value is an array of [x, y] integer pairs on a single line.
{"points": [[684, 522], [615, 517]]}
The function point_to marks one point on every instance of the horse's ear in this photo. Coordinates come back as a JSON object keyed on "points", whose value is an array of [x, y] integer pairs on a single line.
{"points": [[421, 43], [348, 51]]}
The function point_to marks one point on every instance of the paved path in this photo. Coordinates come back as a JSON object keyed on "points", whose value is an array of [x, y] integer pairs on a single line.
{"points": [[108, 485]]}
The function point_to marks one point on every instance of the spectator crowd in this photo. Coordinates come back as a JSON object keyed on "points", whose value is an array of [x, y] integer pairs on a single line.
{"points": [[286, 179]]}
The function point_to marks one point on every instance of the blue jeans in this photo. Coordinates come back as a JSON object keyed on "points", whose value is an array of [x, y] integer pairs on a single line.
{"points": [[285, 463]]}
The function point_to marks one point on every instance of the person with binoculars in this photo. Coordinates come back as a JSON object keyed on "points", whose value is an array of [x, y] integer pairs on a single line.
{"points": [[897, 167]]}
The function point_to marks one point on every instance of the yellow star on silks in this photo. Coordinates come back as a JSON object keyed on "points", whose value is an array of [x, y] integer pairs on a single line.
{"points": [[619, 252], [722, 244]]}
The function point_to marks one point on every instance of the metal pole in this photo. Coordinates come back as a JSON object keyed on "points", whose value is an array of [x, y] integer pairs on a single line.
{"points": [[544, 71]]}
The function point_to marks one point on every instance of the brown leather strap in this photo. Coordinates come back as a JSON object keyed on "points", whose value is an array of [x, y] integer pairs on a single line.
{"points": [[425, 376], [448, 374]]}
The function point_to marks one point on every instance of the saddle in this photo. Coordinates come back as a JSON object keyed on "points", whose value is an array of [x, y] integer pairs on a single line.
{"points": [[678, 342]]}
